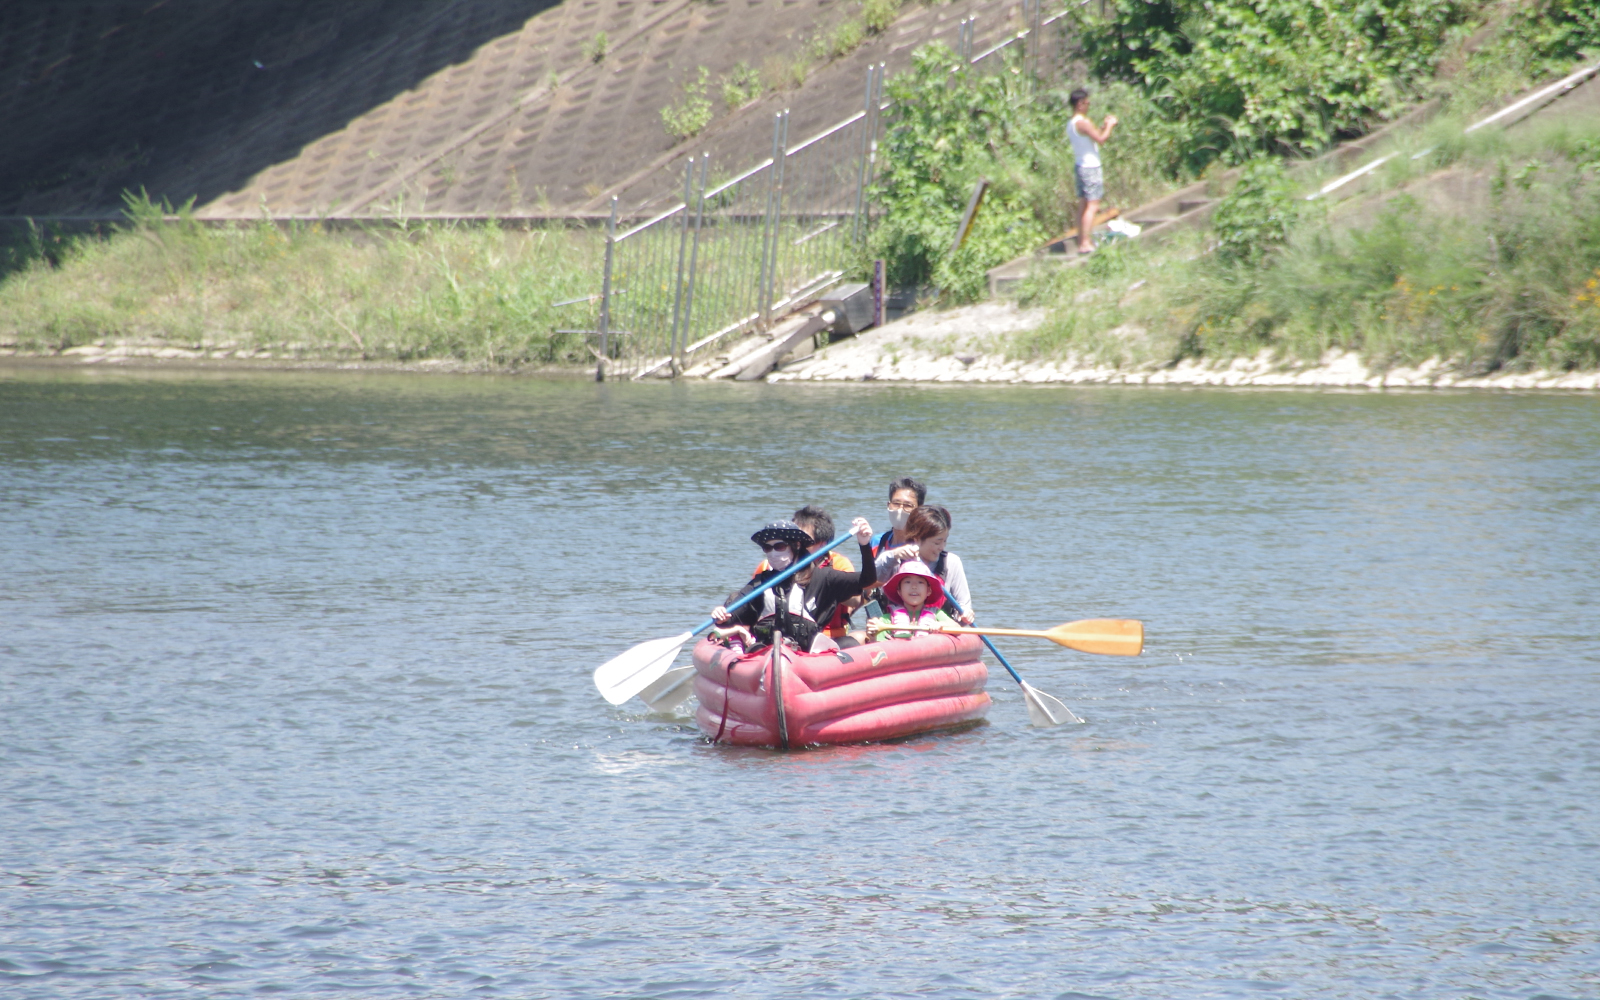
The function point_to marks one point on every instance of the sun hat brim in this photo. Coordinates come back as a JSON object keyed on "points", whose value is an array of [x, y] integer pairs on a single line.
{"points": [[782, 531], [891, 590]]}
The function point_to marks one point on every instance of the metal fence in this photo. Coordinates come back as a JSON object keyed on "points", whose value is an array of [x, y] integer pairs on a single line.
{"points": [[735, 255]]}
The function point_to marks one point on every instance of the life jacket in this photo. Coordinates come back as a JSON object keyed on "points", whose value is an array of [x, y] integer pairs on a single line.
{"points": [[792, 616], [839, 624]]}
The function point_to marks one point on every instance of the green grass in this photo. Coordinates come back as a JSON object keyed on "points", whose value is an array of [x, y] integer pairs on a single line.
{"points": [[480, 294], [1511, 283]]}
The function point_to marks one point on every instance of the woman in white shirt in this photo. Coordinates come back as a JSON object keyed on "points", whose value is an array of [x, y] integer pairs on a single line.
{"points": [[1086, 140], [927, 531]]}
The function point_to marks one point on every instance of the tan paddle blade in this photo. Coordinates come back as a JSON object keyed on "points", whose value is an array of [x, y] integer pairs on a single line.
{"points": [[1108, 636], [1045, 710]]}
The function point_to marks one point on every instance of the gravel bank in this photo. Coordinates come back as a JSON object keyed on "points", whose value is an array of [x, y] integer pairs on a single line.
{"points": [[958, 345]]}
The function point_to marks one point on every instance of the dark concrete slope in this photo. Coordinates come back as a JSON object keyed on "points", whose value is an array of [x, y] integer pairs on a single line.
{"points": [[192, 98], [446, 108]]}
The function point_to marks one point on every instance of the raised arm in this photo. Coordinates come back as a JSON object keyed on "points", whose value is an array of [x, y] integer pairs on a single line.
{"points": [[1085, 126]]}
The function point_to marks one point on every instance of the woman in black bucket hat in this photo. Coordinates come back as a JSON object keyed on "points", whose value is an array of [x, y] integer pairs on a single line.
{"points": [[810, 596]]}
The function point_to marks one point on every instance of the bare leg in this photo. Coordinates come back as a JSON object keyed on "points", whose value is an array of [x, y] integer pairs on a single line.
{"points": [[1086, 225]]}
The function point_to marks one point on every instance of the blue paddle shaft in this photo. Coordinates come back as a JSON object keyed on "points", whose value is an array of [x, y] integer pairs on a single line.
{"points": [[997, 654], [786, 574]]}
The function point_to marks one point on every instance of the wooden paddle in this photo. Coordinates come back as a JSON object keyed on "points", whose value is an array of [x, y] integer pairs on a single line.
{"points": [[1108, 636]]}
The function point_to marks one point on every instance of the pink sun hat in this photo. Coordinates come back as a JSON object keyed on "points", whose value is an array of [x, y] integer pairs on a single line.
{"points": [[891, 590]]}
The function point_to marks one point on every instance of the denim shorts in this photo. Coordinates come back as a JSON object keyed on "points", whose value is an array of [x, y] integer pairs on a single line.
{"points": [[1091, 184]]}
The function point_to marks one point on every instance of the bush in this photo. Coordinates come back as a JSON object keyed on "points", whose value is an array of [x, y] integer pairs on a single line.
{"points": [[741, 86], [692, 112], [1258, 214], [878, 15], [1238, 78], [949, 129]]}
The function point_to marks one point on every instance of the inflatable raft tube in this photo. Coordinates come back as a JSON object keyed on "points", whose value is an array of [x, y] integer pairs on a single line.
{"points": [[876, 691]]}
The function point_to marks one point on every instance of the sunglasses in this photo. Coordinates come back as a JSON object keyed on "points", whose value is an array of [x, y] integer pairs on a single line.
{"points": [[774, 547]]}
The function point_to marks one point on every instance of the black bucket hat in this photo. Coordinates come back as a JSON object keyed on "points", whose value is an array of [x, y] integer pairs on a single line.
{"points": [[782, 531]]}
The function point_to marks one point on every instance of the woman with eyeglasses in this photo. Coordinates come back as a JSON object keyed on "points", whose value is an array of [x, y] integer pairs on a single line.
{"points": [[797, 605]]}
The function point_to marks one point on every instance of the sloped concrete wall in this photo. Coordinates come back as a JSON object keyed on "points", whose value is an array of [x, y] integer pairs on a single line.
{"points": [[192, 98]]}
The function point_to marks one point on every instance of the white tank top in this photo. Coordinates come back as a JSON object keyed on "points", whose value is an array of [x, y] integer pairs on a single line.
{"points": [[1084, 149]]}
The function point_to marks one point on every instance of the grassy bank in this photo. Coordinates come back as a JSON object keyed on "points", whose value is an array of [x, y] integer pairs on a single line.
{"points": [[1484, 252], [1199, 86], [481, 295]]}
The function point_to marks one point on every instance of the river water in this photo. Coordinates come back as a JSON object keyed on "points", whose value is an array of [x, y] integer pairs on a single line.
{"points": [[294, 672]]}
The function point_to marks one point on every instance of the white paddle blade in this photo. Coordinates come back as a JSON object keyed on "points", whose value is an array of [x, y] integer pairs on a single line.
{"points": [[622, 677], [1045, 710], [670, 690]]}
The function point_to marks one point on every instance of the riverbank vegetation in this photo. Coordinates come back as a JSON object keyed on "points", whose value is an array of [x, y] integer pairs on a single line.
{"points": [[1483, 253], [478, 294], [1199, 86]]}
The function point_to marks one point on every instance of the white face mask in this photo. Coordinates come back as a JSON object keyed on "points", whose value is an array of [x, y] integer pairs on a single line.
{"points": [[780, 560], [898, 516]]}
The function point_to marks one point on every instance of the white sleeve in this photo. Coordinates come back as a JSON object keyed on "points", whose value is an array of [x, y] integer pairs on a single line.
{"points": [[886, 564], [955, 579]]}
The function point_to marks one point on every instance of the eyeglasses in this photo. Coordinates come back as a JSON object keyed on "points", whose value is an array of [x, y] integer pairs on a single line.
{"points": [[774, 547], [901, 505]]}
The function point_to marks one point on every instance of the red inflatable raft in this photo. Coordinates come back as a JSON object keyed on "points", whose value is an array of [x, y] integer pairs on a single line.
{"points": [[875, 691]]}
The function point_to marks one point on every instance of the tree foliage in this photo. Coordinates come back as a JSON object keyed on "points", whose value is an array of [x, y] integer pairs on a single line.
{"points": [[952, 127], [1236, 78]]}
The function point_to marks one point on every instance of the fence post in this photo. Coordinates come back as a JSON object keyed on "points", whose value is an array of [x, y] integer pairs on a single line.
{"points": [[769, 249], [605, 295], [872, 132], [766, 222], [861, 168], [1036, 35], [694, 258], [683, 253]]}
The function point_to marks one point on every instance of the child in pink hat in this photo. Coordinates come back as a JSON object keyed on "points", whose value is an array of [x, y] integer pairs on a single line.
{"points": [[915, 595]]}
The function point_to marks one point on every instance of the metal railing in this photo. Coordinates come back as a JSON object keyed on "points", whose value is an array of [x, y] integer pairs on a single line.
{"points": [[735, 255]]}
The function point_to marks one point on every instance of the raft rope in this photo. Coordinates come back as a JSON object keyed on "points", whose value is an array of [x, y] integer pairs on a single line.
{"points": [[727, 692]]}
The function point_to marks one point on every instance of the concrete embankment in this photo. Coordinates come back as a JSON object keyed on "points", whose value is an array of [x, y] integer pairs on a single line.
{"points": [[967, 345]]}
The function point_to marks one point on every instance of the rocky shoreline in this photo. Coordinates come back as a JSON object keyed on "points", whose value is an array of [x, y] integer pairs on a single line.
{"points": [[954, 346]]}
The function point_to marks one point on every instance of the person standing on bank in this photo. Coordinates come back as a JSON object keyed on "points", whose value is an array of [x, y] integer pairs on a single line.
{"points": [[1086, 140]]}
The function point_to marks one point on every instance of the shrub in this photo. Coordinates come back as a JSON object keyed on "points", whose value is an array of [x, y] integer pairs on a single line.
{"points": [[878, 15], [691, 112], [1258, 214], [741, 86], [949, 130], [1238, 78]]}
